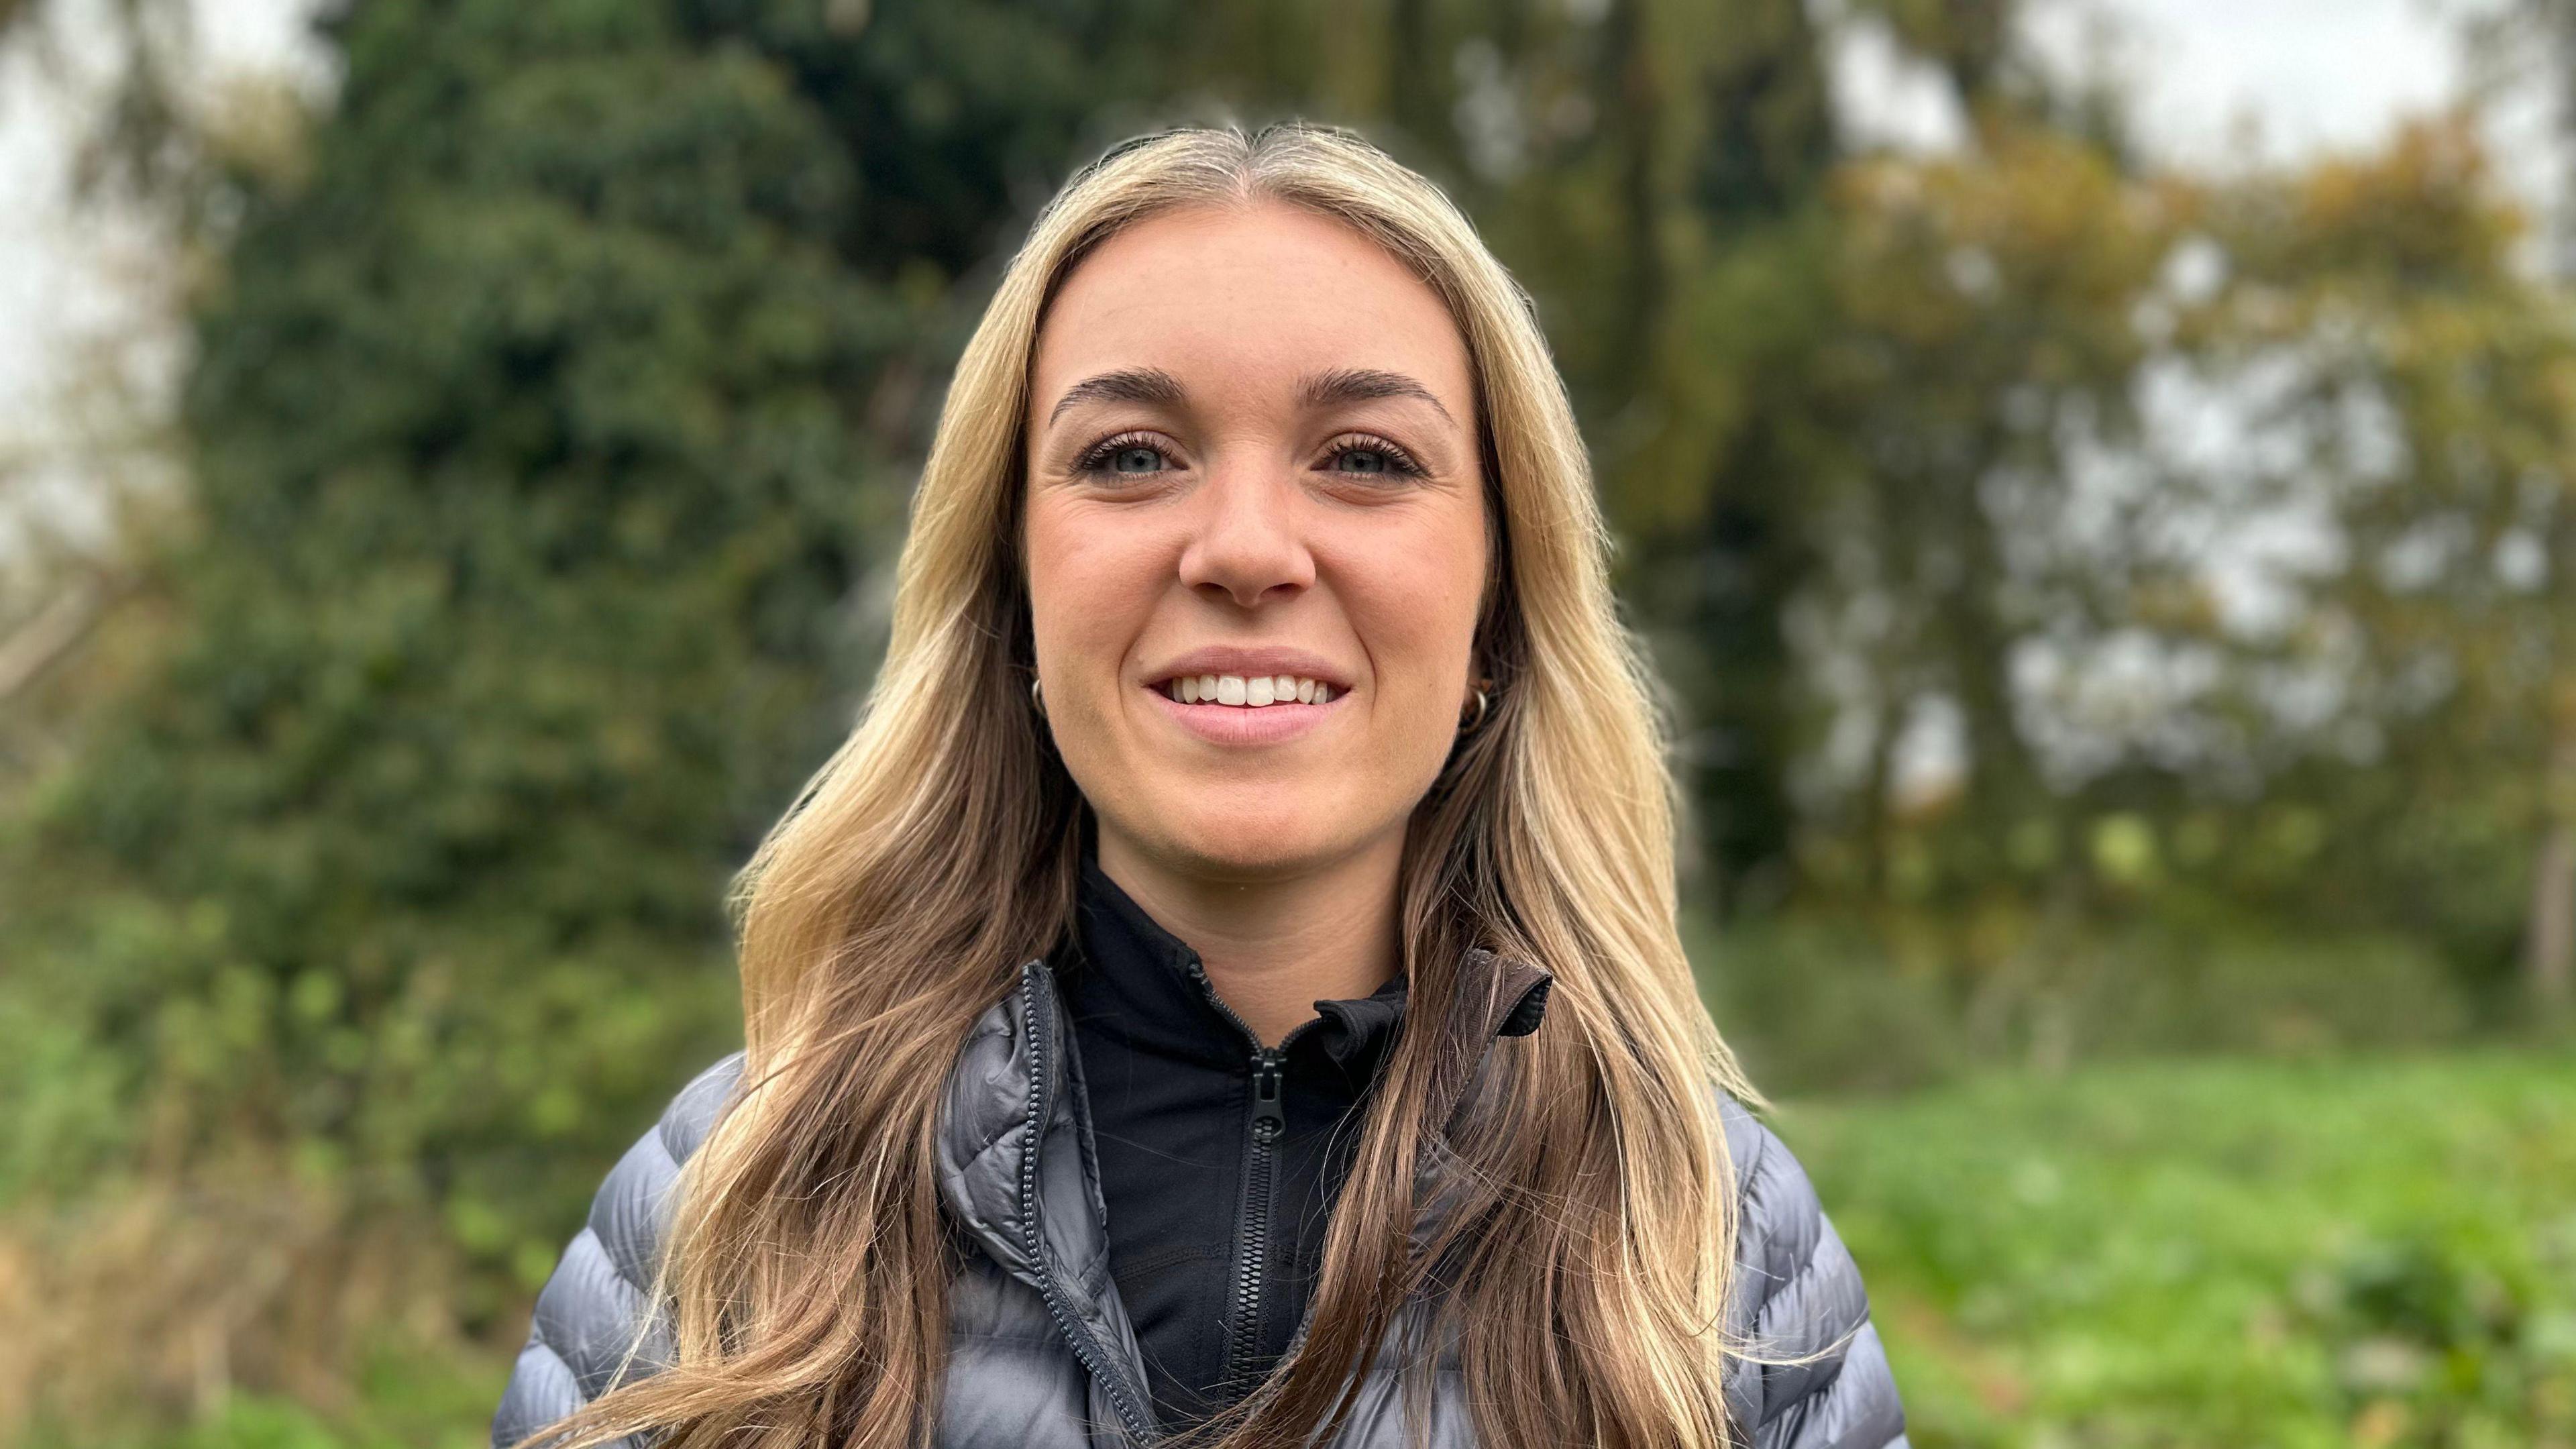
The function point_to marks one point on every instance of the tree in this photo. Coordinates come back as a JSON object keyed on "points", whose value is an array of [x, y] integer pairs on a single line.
{"points": [[2424, 392], [546, 428]]}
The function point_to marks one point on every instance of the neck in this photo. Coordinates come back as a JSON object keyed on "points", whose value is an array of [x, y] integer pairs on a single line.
{"points": [[1274, 945]]}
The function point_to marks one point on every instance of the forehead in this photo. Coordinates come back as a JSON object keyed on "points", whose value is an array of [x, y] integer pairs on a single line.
{"points": [[1252, 296]]}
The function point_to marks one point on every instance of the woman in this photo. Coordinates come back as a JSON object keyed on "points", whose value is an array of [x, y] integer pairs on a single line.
{"points": [[1226, 988]]}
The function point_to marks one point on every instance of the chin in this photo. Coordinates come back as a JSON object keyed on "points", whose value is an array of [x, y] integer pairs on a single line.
{"points": [[1222, 849], [1260, 837]]}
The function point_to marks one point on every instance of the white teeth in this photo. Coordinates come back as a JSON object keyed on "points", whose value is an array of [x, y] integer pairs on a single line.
{"points": [[1253, 692]]}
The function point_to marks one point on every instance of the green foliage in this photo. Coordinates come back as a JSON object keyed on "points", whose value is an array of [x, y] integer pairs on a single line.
{"points": [[1816, 1006], [2350, 1252], [397, 1400], [549, 425], [528, 489]]}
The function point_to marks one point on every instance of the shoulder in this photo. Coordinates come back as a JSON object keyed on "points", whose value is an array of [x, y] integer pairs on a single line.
{"points": [[1815, 1374], [593, 1307], [693, 1112], [628, 1215]]}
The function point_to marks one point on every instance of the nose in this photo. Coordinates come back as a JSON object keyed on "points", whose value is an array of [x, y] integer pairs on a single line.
{"points": [[1247, 542]]}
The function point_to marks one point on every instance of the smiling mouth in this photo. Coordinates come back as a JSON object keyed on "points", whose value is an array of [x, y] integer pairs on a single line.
{"points": [[1246, 691]]}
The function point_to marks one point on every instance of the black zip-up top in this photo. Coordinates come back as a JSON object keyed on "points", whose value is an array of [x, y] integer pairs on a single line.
{"points": [[1220, 1159]]}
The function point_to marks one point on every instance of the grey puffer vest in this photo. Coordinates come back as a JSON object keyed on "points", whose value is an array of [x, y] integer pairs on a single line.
{"points": [[1041, 1352]]}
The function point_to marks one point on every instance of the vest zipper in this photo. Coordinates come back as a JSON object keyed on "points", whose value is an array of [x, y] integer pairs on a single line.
{"points": [[1033, 1241]]}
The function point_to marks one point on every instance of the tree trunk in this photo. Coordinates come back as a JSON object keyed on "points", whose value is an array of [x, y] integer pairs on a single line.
{"points": [[2549, 931], [2549, 938]]}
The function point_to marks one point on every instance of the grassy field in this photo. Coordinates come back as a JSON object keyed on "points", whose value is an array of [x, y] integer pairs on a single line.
{"points": [[2189, 1253], [2236, 1253]]}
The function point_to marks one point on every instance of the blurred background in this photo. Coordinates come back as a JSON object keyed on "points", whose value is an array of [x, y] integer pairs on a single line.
{"points": [[2098, 475]]}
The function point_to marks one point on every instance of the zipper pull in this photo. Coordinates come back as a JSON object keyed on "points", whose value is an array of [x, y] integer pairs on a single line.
{"points": [[1268, 1120]]}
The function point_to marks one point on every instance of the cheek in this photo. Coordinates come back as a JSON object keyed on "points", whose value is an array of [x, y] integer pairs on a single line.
{"points": [[1092, 588], [1083, 586], [1052, 578], [1414, 604]]}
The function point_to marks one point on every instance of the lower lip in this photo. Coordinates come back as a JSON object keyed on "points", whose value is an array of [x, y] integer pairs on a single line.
{"points": [[1244, 725]]}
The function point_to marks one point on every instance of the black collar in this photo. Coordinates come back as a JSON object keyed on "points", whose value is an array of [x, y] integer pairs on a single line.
{"points": [[1135, 980]]}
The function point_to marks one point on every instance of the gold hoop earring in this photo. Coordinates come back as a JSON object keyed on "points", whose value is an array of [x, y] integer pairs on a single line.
{"points": [[1036, 701]]}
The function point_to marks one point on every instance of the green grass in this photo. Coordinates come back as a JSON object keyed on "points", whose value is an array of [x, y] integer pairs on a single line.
{"points": [[2189, 1253], [2220, 1253]]}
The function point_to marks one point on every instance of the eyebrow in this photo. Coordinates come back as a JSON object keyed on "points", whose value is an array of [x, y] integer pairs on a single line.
{"points": [[1131, 384], [1364, 384], [1323, 389]]}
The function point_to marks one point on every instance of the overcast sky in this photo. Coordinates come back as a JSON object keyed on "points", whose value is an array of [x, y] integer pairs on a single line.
{"points": [[2306, 74]]}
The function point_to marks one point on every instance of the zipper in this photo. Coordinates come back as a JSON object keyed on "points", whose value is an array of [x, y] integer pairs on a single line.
{"points": [[1253, 1224], [1085, 1348], [1262, 1128]]}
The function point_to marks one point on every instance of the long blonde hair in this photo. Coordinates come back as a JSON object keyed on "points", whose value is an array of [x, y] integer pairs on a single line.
{"points": [[1582, 1269]]}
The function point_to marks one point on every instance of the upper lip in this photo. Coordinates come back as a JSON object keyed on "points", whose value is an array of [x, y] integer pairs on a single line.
{"points": [[1250, 660]]}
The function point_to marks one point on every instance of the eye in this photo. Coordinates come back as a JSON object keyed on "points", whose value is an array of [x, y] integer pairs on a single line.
{"points": [[1367, 455], [1127, 455]]}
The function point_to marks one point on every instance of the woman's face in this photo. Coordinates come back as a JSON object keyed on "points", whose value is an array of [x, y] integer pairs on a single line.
{"points": [[1252, 461]]}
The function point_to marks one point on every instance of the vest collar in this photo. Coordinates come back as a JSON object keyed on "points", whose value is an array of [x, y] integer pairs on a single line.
{"points": [[1018, 1176]]}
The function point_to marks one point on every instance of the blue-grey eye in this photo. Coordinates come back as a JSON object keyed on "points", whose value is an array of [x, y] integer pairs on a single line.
{"points": [[1365, 460], [1135, 460]]}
